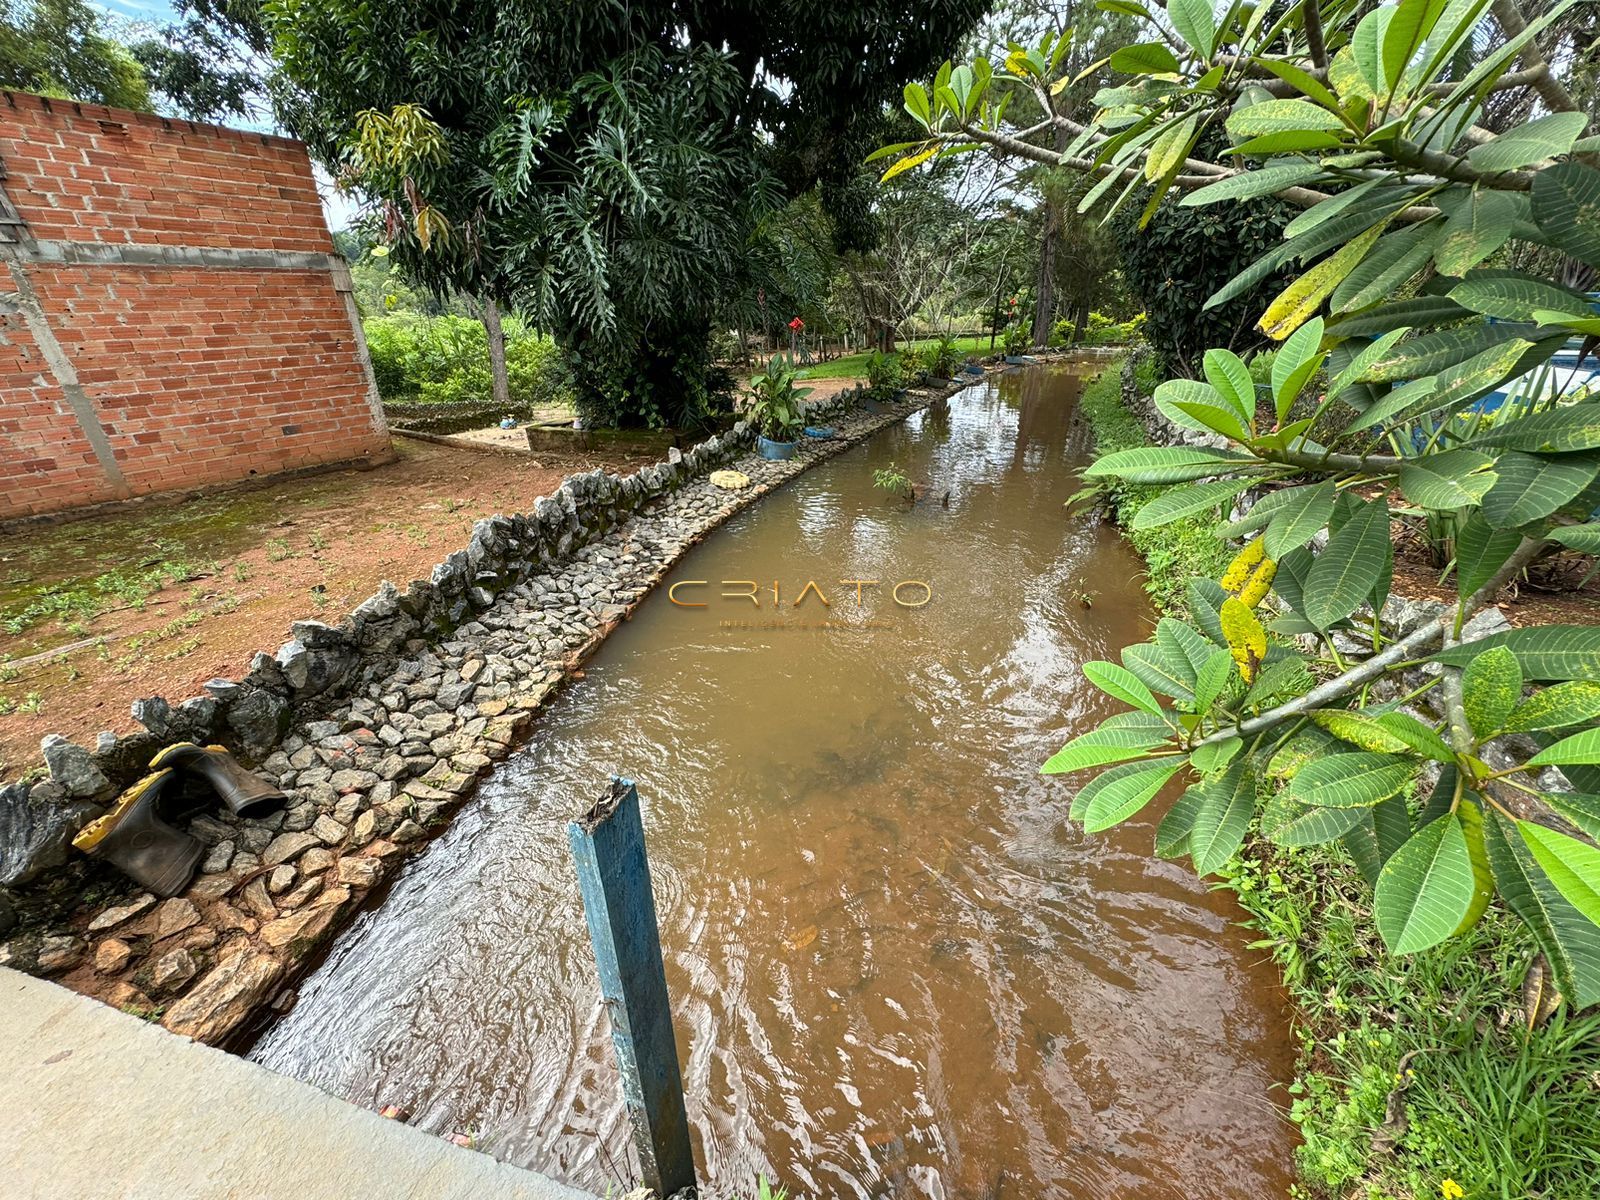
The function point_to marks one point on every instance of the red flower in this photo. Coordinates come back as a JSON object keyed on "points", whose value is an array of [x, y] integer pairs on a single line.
{"points": [[797, 324]]}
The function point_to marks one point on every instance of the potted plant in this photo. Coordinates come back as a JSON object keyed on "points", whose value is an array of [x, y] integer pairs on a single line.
{"points": [[886, 376], [775, 410], [1017, 344], [943, 360]]}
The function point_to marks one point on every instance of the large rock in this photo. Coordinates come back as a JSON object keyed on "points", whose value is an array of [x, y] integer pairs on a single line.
{"points": [[259, 719], [36, 833], [227, 995], [72, 766]]}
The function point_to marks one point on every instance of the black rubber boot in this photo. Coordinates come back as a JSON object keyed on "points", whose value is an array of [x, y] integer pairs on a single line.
{"points": [[246, 793], [134, 838]]}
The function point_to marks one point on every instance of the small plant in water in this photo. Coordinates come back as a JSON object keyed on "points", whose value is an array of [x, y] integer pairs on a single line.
{"points": [[893, 479]]}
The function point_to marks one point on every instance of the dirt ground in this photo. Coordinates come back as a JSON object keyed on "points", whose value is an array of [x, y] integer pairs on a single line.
{"points": [[159, 596]]}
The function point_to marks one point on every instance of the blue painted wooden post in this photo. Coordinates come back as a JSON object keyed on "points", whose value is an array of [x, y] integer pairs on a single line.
{"points": [[614, 878]]}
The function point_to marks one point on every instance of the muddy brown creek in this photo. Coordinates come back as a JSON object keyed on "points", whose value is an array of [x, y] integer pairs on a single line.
{"points": [[896, 969]]}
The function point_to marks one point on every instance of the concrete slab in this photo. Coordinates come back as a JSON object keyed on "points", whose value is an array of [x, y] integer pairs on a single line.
{"points": [[97, 1104]]}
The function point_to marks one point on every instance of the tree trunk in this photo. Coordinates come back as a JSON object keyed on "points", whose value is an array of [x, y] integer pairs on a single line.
{"points": [[497, 354], [1044, 290]]}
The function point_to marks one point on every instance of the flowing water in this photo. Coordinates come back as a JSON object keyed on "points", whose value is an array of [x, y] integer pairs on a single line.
{"points": [[896, 969]]}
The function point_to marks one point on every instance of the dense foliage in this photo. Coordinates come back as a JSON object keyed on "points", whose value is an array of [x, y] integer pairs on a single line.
{"points": [[598, 169], [445, 359], [62, 48], [1440, 406]]}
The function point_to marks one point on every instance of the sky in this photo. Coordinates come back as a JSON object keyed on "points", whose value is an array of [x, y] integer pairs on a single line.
{"points": [[337, 208]]}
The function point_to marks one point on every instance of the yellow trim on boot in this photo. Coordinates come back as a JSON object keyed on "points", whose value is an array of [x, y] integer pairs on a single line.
{"points": [[92, 834], [166, 750]]}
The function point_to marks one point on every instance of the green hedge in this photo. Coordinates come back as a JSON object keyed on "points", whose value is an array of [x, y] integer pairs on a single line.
{"points": [[445, 360]]}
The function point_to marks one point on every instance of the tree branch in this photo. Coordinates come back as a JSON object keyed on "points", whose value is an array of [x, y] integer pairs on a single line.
{"points": [[1556, 97], [1404, 650]]}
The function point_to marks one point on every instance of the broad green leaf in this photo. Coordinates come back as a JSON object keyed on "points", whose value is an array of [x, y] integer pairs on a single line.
{"points": [[1453, 387], [1192, 404], [1475, 231], [1366, 44], [1573, 866], [1299, 518], [1287, 141], [1170, 148], [1453, 479], [1150, 464], [1491, 686], [1121, 683], [1248, 185], [1391, 825], [1184, 502], [1355, 780], [1223, 818], [1361, 844], [1395, 258], [1294, 569], [1434, 352], [917, 104], [1297, 361], [1205, 597], [1387, 733], [1227, 373], [1578, 537], [1546, 652], [1559, 706], [1583, 811], [1418, 312], [1571, 943], [1151, 666], [1108, 801], [1471, 818], [1344, 574], [1481, 550], [1566, 207], [1409, 28], [1184, 646], [1145, 58], [1546, 137], [1282, 116], [1196, 24], [1579, 748], [1300, 79], [1216, 755], [1172, 835], [1363, 361], [1422, 738], [1554, 431], [1530, 488], [1211, 679], [1318, 825], [1288, 676], [1099, 747], [1298, 302], [1514, 297], [1327, 209], [1426, 888]]}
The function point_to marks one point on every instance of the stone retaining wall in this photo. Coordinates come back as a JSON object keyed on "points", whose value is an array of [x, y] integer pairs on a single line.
{"points": [[376, 728]]}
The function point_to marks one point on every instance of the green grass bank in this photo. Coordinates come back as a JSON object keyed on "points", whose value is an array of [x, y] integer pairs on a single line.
{"points": [[1417, 1078]]}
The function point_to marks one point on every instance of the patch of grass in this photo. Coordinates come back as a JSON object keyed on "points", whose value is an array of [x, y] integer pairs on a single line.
{"points": [[1479, 1098], [1176, 551], [278, 550], [78, 601]]}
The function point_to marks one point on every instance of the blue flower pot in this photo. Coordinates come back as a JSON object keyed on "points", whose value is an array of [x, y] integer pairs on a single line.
{"points": [[819, 431], [973, 369], [776, 451]]}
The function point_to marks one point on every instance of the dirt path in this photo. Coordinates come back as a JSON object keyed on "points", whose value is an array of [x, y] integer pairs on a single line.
{"points": [[159, 597]]}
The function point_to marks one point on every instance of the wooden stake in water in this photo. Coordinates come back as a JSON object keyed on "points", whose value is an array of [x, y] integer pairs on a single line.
{"points": [[614, 878]]}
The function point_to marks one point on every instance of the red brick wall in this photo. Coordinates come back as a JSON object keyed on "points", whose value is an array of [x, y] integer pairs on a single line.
{"points": [[172, 313]]}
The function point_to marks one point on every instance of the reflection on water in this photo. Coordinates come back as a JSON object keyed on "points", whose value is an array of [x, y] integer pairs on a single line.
{"points": [[896, 969]]}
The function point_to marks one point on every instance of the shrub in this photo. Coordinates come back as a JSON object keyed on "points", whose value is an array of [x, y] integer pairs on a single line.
{"points": [[445, 360]]}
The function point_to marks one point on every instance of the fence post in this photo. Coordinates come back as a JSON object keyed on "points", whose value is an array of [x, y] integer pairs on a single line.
{"points": [[614, 879]]}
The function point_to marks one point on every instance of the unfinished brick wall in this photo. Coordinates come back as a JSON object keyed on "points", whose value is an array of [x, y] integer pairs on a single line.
{"points": [[172, 310]]}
